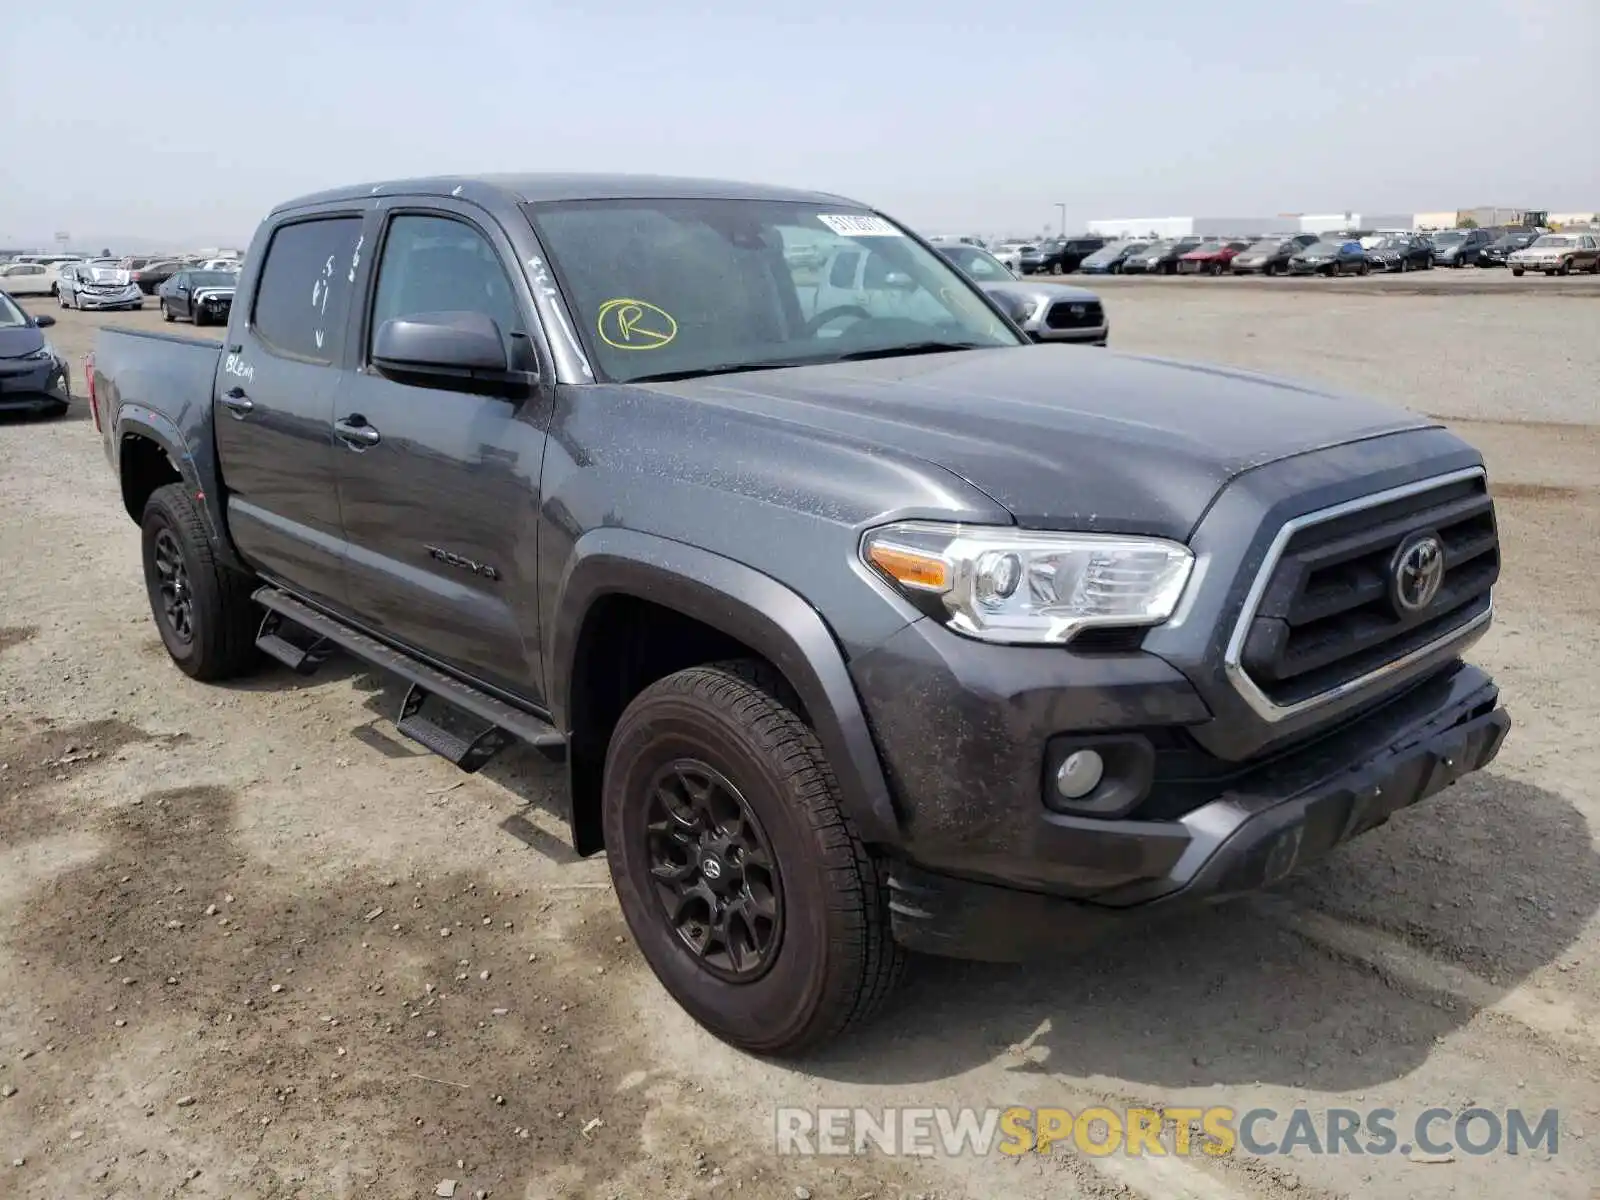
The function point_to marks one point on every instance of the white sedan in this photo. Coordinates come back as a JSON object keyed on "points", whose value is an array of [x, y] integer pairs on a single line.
{"points": [[31, 279]]}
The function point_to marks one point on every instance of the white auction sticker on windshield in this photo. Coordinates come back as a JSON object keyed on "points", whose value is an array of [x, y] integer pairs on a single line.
{"points": [[858, 225]]}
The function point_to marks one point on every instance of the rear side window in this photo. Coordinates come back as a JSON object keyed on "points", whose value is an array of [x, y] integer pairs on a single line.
{"points": [[304, 293]]}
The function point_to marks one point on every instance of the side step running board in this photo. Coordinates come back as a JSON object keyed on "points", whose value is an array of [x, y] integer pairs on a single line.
{"points": [[438, 711]]}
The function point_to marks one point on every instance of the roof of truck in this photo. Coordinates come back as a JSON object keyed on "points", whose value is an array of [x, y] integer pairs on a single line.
{"points": [[535, 187]]}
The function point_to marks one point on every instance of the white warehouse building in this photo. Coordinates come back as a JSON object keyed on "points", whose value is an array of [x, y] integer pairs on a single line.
{"points": [[1179, 227]]}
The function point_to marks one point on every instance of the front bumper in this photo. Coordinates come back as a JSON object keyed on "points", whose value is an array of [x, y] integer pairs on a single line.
{"points": [[34, 386], [1266, 823], [132, 297]]}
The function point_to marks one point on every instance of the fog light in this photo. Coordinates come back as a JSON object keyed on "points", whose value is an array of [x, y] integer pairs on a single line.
{"points": [[1079, 774]]}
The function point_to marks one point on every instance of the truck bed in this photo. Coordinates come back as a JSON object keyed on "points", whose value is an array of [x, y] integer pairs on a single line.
{"points": [[159, 386]]}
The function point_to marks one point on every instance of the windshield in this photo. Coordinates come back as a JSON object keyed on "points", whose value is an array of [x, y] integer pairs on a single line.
{"points": [[1553, 240], [978, 264], [688, 286], [213, 278], [1449, 236], [1324, 247], [1511, 241], [1266, 246], [11, 317], [1112, 249], [1391, 243]]}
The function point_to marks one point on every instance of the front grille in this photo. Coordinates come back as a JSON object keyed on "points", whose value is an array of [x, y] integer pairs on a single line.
{"points": [[1332, 612], [1075, 314]]}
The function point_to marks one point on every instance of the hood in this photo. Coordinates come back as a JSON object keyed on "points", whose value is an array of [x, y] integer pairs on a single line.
{"points": [[1047, 291], [1062, 437], [19, 341]]}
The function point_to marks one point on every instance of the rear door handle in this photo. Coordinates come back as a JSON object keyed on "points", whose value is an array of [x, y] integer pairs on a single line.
{"points": [[237, 402], [355, 432]]}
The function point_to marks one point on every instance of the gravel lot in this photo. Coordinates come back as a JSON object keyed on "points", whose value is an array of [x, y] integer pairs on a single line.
{"points": [[258, 945]]}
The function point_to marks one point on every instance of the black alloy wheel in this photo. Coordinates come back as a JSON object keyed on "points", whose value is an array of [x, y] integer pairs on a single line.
{"points": [[172, 584], [714, 873]]}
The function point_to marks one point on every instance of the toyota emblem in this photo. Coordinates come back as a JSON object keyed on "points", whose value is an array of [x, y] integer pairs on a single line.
{"points": [[1417, 573]]}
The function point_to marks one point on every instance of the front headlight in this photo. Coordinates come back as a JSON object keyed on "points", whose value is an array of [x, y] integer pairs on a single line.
{"points": [[1019, 587], [1026, 309], [43, 352]]}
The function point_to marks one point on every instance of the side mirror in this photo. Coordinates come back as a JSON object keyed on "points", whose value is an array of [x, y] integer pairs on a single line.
{"points": [[43, 321], [440, 343], [899, 280]]}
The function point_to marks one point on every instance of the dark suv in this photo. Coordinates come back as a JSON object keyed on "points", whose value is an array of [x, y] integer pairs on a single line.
{"points": [[1459, 247]]}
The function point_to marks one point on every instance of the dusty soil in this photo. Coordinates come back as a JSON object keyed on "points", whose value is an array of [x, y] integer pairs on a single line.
{"points": [[256, 944]]}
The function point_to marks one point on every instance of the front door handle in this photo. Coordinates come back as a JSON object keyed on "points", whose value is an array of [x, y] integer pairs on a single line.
{"points": [[237, 402], [355, 432]]}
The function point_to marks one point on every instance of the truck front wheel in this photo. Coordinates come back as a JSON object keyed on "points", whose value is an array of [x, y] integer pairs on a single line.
{"points": [[740, 877], [202, 610]]}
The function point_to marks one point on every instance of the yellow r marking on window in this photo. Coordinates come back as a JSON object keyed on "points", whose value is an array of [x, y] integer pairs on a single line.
{"points": [[629, 324]]}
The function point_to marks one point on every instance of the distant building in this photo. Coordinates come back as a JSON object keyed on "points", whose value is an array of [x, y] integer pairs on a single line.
{"points": [[1179, 227]]}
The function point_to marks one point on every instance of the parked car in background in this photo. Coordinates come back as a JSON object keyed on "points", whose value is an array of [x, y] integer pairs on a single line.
{"points": [[1342, 257], [1109, 258], [1047, 312], [1270, 255], [154, 273], [33, 376], [204, 297], [1010, 253], [1503, 247], [99, 286], [222, 264], [1210, 257], [27, 279], [1459, 247], [1400, 252], [1030, 258], [1558, 254], [1065, 255], [1159, 258]]}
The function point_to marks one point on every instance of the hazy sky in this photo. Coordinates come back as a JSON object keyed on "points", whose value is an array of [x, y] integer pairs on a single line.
{"points": [[187, 120]]}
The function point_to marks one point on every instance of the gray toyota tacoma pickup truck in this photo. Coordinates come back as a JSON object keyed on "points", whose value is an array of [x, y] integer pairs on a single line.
{"points": [[861, 629]]}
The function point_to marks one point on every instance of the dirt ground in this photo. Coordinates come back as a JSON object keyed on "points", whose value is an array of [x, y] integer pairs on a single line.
{"points": [[255, 944]]}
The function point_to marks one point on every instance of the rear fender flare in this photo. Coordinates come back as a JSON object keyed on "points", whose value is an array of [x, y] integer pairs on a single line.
{"points": [[741, 602], [136, 420]]}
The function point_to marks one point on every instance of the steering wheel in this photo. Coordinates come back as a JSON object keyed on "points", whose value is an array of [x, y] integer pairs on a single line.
{"points": [[829, 315]]}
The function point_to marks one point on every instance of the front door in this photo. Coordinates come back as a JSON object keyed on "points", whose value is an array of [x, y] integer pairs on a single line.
{"points": [[439, 488], [274, 406]]}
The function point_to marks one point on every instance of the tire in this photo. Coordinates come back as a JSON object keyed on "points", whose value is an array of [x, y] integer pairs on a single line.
{"points": [[831, 960], [1361, 267], [166, 313], [1517, 271], [1565, 268], [221, 620], [57, 410], [198, 316], [1405, 266]]}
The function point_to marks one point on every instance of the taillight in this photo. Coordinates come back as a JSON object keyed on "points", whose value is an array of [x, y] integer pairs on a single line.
{"points": [[88, 375]]}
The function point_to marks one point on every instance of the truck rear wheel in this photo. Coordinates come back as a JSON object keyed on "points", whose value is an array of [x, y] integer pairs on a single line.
{"points": [[202, 610], [739, 875]]}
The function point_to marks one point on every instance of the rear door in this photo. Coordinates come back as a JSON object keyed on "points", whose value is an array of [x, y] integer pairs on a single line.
{"points": [[440, 487], [274, 403]]}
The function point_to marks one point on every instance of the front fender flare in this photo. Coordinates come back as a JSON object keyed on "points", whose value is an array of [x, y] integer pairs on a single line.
{"points": [[764, 614]]}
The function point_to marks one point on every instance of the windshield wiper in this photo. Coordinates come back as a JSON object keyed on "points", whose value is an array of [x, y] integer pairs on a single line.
{"points": [[910, 348], [725, 369]]}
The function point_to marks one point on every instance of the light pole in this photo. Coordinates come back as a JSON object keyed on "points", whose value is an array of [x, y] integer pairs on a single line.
{"points": [[1063, 209]]}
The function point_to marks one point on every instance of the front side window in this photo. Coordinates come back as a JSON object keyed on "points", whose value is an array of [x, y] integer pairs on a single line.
{"points": [[304, 294], [435, 264], [11, 317], [695, 286]]}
